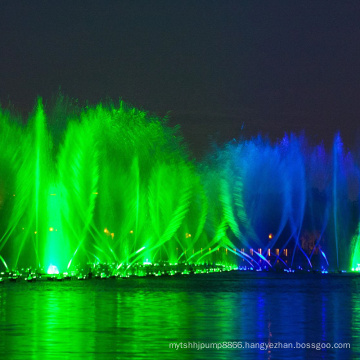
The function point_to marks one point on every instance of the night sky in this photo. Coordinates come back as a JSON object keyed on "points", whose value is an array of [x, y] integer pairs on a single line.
{"points": [[220, 69]]}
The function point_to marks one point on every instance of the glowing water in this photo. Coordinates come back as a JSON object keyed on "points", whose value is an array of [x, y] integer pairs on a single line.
{"points": [[118, 189], [114, 185]]}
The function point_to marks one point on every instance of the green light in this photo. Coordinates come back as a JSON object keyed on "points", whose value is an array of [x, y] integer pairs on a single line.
{"points": [[3, 261], [52, 270], [113, 168], [355, 246], [140, 249]]}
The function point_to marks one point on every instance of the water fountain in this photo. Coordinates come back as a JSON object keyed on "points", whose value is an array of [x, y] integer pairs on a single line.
{"points": [[111, 184], [118, 188]]}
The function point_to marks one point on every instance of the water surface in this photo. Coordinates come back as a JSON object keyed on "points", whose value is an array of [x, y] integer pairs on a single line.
{"points": [[138, 318]]}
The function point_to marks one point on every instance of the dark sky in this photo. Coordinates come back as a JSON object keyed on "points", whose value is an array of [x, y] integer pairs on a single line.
{"points": [[221, 68]]}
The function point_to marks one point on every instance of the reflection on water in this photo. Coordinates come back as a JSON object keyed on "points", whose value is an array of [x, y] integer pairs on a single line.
{"points": [[138, 318]]}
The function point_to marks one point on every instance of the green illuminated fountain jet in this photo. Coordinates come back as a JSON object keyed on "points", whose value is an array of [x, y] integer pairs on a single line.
{"points": [[118, 189]]}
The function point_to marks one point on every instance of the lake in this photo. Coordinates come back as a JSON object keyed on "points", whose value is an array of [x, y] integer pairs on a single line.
{"points": [[230, 315]]}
